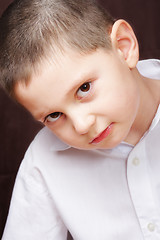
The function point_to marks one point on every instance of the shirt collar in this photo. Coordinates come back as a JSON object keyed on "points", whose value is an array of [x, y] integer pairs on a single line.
{"points": [[149, 68], [59, 146]]}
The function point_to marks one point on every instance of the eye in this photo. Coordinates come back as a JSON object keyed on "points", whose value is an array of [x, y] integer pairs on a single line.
{"points": [[53, 117], [84, 90]]}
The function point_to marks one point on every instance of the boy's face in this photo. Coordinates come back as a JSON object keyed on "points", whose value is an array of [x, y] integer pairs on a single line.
{"points": [[89, 101]]}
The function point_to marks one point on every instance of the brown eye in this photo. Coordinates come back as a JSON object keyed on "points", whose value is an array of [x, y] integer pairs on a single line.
{"points": [[53, 117], [84, 89]]}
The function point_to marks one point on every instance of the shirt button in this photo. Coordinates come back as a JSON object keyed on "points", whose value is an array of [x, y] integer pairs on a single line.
{"points": [[151, 227], [135, 161]]}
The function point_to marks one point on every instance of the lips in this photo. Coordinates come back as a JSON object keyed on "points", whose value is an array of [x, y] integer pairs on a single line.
{"points": [[102, 135]]}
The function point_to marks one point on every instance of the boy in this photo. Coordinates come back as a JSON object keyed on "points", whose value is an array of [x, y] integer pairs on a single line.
{"points": [[95, 169]]}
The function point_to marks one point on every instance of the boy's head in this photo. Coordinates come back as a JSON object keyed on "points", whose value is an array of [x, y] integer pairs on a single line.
{"points": [[34, 30], [73, 68]]}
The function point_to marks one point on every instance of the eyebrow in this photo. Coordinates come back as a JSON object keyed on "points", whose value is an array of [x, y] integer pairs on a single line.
{"points": [[39, 117]]}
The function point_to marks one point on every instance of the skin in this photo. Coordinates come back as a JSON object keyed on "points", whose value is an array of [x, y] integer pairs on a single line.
{"points": [[80, 96]]}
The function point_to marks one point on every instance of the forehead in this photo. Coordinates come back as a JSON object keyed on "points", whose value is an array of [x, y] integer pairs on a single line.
{"points": [[71, 64]]}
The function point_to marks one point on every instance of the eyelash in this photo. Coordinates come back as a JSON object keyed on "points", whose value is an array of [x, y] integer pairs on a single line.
{"points": [[81, 97]]}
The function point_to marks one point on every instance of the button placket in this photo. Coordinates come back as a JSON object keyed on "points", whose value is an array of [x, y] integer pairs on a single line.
{"points": [[140, 190]]}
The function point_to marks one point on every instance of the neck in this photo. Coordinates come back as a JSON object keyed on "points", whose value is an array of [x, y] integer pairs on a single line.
{"points": [[149, 102]]}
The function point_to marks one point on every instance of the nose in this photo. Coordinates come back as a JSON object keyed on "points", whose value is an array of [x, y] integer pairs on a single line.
{"points": [[82, 123]]}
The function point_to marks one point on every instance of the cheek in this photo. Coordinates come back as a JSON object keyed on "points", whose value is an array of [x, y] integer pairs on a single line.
{"points": [[119, 102], [128, 103], [64, 132]]}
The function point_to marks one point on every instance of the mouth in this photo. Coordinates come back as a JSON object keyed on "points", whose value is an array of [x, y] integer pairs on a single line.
{"points": [[102, 135]]}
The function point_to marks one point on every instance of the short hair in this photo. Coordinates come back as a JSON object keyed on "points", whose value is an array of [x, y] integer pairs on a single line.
{"points": [[32, 29]]}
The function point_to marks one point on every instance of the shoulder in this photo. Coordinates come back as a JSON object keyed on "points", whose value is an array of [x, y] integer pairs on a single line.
{"points": [[44, 148], [46, 140]]}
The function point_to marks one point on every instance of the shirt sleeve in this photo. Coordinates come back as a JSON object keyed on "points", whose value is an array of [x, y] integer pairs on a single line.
{"points": [[32, 214]]}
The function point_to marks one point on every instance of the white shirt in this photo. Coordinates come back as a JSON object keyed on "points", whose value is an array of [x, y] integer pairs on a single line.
{"points": [[96, 194]]}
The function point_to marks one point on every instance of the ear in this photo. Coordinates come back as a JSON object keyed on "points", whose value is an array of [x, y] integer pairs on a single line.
{"points": [[124, 40]]}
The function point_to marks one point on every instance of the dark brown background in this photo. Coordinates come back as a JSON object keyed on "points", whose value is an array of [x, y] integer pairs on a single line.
{"points": [[17, 128]]}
